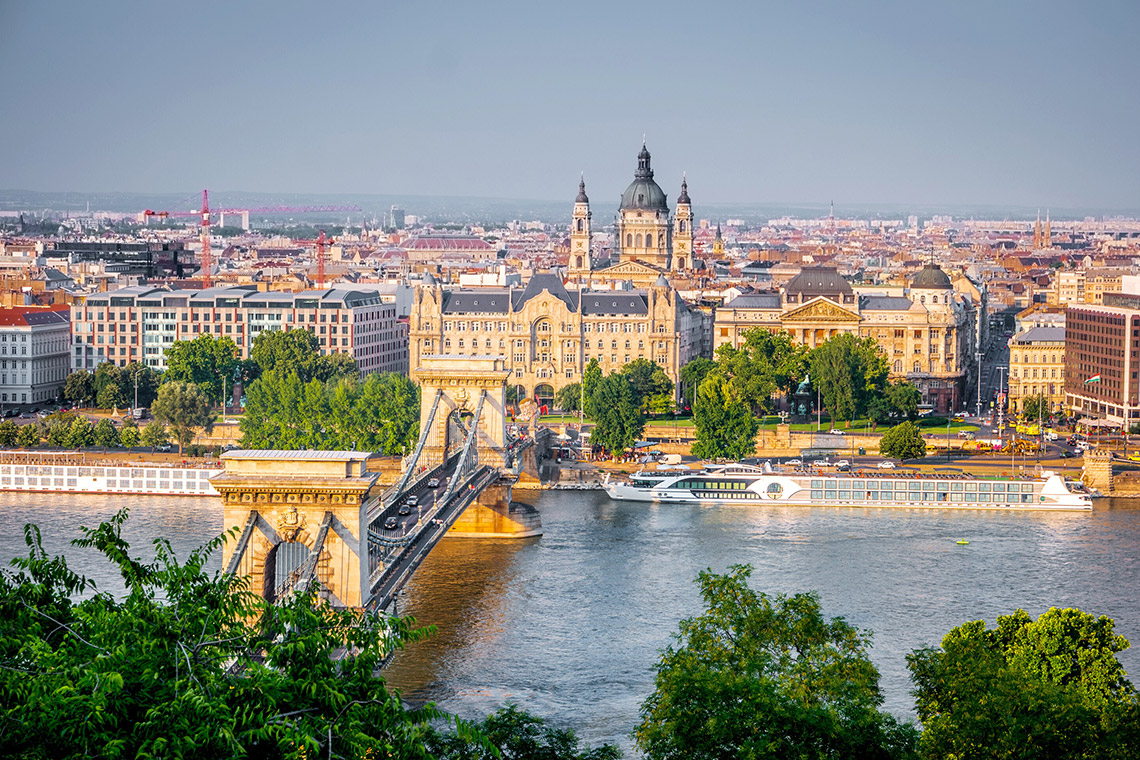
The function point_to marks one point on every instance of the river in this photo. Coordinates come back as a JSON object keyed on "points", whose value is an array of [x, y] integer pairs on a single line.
{"points": [[569, 625]]}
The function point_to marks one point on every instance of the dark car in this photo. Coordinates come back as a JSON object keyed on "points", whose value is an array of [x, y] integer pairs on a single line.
{"points": [[404, 510], [391, 523], [1065, 454]]}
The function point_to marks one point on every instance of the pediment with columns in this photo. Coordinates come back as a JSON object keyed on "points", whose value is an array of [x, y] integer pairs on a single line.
{"points": [[630, 269], [822, 310]]}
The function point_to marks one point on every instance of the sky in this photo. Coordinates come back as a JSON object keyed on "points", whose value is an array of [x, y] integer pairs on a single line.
{"points": [[894, 102]]}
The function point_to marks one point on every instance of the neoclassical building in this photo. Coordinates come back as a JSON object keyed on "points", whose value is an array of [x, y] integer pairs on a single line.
{"points": [[927, 330], [649, 240], [547, 333]]}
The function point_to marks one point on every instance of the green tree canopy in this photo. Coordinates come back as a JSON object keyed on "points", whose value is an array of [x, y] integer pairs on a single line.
{"points": [[756, 676], [154, 435], [148, 382], [650, 383], [767, 364], [1036, 407], [616, 411], [28, 436], [105, 433], [108, 382], [80, 433], [79, 388], [192, 664], [1050, 687], [903, 441], [904, 399], [512, 734], [591, 376], [204, 361], [848, 372], [298, 351], [129, 435], [569, 397], [185, 409], [8, 432], [111, 397], [726, 427]]}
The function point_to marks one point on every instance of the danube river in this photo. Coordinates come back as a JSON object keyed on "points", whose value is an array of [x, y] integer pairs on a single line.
{"points": [[569, 625]]}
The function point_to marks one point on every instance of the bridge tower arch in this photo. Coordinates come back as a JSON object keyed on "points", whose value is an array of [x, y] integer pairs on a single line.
{"points": [[453, 386]]}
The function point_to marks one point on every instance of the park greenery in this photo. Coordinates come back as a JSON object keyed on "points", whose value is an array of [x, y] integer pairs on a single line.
{"points": [[903, 441], [185, 408], [618, 402]]}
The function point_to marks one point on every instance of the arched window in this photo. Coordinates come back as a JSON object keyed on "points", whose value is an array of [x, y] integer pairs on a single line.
{"points": [[934, 299], [639, 240], [579, 262], [681, 263], [649, 241], [682, 227], [628, 241], [917, 367], [898, 366], [922, 299], [581, 225]]}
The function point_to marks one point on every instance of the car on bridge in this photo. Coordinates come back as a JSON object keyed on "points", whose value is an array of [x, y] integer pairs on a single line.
{"points": [[412, 500], [404, 510], [433, 483], [391, 523]]}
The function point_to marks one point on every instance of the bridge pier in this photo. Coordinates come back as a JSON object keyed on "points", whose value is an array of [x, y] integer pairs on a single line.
{"points": [[495, 515]]}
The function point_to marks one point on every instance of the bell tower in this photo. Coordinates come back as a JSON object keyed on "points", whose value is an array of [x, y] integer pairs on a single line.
{"points": [[580, 264], [683, 230]]}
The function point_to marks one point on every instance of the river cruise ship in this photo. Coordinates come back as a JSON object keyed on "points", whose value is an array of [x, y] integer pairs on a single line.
{"points": [[746, 484], [155, 480]]}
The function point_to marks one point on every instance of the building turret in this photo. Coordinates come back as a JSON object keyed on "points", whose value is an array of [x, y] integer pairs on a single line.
{"points": [[580, 263], [683, 230]]}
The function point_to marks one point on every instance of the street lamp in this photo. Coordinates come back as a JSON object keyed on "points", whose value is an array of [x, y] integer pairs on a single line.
{"points": [[979, 355]]}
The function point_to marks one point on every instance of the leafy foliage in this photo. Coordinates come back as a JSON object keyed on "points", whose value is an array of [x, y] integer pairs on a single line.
{"points": [[755, 677], [726, 427], [105, 433], [79, 388], [512, 734], [650, 383], [298, 351], [129, 435], [1036, 407], [692, 375], [903, 441], [204, 361], [849, 372], [185, 408], [569, 397], [1050, 687], [379, 414], [28, 436], [190, 664], [765, 365], [615, 408], [80, 433], [904, 399], [154, 434], [8, 432]]}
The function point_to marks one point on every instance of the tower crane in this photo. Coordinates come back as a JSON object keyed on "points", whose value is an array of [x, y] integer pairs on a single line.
{"points": [[204, 220], [320, 242]]}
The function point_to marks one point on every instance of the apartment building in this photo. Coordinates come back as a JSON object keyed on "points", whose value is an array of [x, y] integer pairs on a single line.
{"points": [[141, 323], [1102, 359], [1037, 367], [33, 354]]}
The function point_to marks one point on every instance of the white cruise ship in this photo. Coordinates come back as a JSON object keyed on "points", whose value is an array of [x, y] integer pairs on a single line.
{"points": [[741, 483]]}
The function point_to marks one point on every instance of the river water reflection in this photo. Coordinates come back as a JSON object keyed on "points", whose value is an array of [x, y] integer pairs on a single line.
{"points": [[569, 625]]}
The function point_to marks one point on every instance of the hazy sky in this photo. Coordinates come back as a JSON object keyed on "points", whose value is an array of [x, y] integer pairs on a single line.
{"points": [[955, 102]]}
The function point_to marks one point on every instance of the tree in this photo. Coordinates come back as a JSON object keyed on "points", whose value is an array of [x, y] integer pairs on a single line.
{"points": [[649, 382], [108, 375], [191, 663], [569, 397], [615, 409], [848, 372], [28, 436], [105, 434], [58, 430], [879, 410], [904, 399], [692, 375], [8, 432], [80, 433], [512, 734], [129, 435], [766, 365], [1050, 687], [184, 407], [204, 361], [148, 382], [1034, 408], [903, 441], [726, 427], [79, 388], [154, 435], [591, 376], [298, 351], [757, 676], [111, 397]]}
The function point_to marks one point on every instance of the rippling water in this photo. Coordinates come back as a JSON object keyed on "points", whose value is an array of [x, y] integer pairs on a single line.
{"points": [[569, 625]]}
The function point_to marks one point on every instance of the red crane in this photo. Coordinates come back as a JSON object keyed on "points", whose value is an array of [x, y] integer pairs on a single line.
{"points": [[320, 242], [204, 216]]}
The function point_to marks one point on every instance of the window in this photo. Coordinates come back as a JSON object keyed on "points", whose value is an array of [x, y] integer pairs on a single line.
{"points": [[649, 241]]}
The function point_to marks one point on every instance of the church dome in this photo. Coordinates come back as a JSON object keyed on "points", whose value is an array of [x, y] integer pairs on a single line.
{"points": [[643, 193], [931, 277]]}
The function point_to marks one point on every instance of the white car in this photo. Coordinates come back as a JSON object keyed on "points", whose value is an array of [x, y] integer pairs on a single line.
{"points": [[886, 464], [821, 463], [833, 431], [794, 463]]}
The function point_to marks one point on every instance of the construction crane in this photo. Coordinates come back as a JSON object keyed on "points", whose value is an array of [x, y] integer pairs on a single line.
{"points": [[204, 217], [320, 242]]}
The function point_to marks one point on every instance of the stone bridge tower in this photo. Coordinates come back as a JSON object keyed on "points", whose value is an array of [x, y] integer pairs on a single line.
{"points": [[459, 381]]}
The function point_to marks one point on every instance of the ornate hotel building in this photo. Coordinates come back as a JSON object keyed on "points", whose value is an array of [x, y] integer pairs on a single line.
{"points": [[928, 331]]}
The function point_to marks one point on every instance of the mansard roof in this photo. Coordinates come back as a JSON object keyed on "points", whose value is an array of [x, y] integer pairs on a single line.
{"points": [[552, 284], [626, 303], [481, 301], [885, 303], [755, 301]]}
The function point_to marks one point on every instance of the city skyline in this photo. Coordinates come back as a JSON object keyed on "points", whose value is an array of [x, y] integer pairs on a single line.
{"points": [[1018, 105]]}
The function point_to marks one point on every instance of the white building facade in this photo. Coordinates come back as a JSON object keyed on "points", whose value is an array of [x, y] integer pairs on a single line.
{"points": [[34, 362]]}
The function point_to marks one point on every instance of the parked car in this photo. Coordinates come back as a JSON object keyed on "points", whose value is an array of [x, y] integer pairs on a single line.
{"points": [[843, 465], [821, 463], [391, 523], [165, 447], [433, 483], [833, 431], [886, 464], [794, 463]]}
